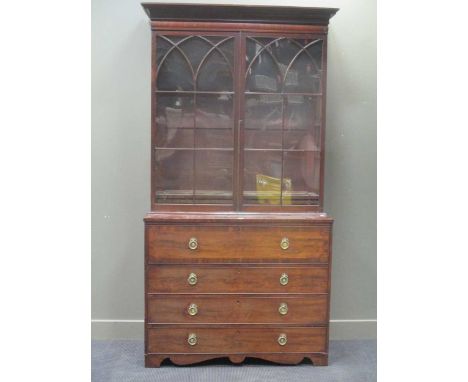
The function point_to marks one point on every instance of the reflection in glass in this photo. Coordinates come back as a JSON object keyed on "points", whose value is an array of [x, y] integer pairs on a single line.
{"points": [[302, 122], [213, 138], [214, 111], [174, 176], [304, 71], [302, 169], [175, 71], [213, 176], [175, 121], [262, 177], [194, 138], [216, 71], [263, 71], [263, 112], [283, 65], [195, 63], [282, 120], [174, 138], [214, 121], [263, 121], [192, 123]]}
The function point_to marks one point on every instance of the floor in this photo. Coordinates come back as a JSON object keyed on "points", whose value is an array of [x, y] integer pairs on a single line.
{"points": [[122, 361]]}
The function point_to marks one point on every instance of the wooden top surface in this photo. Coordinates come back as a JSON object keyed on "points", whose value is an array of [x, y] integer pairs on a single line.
{"points": [[239, 217], [238, 13]]}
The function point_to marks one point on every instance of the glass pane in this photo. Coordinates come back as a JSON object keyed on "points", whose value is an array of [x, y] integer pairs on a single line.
{"points": [[263, 69], [211, 59], [214, 121], [263, 121], [303, 73], [174, 112], [301, 180], [195, 47], [213, 138], [175, 71], [284, 65], [213, 176], [216, 71], [174, 138], [175, 121], [190, 122], [174, 176], [262, 177], [302, 122], [214, 111], [288, 124]]}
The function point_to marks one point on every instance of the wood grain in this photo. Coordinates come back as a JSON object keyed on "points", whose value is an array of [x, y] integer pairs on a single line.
{"points": [[238, 261], [235, 244], [236, 309], [235, 27], [319, 220], [155, 360], [248, 14], [237, 279], [235, 340]]}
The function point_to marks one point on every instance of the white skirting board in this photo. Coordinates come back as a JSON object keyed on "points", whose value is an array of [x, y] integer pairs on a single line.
{"points": [[107, 329]]}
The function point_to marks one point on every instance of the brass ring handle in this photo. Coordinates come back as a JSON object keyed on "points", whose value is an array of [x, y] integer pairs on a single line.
{"points": [[284, 279], [192, 339], [193, 243], [283, 309], [282, 339], [192, 278], [192, 309], [284, 243]]}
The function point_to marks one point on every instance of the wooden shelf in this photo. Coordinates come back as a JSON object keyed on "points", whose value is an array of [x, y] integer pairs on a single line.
{"points": [[196, 148], [190, 92], [284, 94]]}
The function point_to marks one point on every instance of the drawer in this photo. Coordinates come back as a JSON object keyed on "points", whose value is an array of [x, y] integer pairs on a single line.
{"points": [[236, 244], [291, 243], [171, 243], [236, 279], [236, 340], [203, 309]]}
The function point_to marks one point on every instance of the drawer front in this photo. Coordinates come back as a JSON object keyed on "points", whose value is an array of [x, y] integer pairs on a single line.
{"points": [[285, 243], [232, 279], [171, 243], [199, 309], [236, 340], [235, 244]]}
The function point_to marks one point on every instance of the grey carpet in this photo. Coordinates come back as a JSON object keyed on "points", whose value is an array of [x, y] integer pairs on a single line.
{"points": [[122, 361]]}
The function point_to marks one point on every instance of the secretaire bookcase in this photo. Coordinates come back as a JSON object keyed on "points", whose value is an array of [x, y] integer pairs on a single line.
{"points": [[237, 246]]}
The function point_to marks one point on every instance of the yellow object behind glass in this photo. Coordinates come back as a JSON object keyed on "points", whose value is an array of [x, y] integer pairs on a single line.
{"points": [[269, 190]]}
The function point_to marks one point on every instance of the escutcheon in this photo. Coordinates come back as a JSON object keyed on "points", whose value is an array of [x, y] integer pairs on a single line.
{"points": [[193, 243], [282, 339], [192, 279], [283, 309], [192, 309], [192, 339], [284, 279]]}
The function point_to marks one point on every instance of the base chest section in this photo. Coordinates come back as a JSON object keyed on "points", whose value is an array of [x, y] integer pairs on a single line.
{"points": [[237, 289]]}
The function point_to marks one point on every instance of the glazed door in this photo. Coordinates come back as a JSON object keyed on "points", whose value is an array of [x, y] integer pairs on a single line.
{"points": [[194, 119], [282, 111], [237, 120]]}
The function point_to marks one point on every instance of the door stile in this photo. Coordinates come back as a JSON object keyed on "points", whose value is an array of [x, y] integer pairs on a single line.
{"points": [[240, 88]]}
